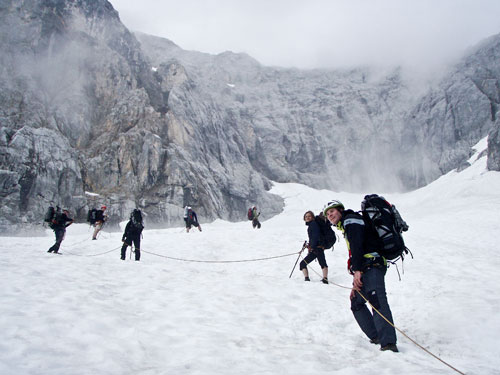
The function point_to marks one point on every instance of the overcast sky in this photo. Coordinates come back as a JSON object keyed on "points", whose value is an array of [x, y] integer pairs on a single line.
{"points": [[320, 33]]}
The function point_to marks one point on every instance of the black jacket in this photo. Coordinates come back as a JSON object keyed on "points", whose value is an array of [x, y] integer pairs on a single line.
{"points": [[132, 230], [61, 221], [192, 217], [360, 239], [314, 234]]}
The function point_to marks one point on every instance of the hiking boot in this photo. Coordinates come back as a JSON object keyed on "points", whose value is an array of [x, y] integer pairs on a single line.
{"points": [[49, 251], [307, 278], [94, 238], [375, 341], [324, 280], [391, 347]]}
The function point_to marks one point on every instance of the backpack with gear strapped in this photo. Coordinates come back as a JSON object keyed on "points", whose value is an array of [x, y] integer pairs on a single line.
{"points": [[250, 214], [388, 225], [92, 216], [327, 238]]}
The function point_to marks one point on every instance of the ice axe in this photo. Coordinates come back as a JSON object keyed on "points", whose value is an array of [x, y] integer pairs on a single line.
{"points": [[304, 246]]}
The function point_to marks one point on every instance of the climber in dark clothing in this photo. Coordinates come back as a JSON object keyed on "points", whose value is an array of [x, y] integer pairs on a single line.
{"points": [[100, 219], [316, 251], [368, 268], [255, 220], [132, 233], [191, 220], [59, 224]]}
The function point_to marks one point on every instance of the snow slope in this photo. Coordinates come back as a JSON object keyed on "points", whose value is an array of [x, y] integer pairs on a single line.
{"points": [[87, 312]]}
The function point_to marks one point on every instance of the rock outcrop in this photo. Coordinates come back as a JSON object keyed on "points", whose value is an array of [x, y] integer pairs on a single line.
{"points": [[91, 113]]}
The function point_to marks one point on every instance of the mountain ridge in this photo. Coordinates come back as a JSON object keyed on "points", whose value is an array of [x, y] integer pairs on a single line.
{"points": [[149, 125]]}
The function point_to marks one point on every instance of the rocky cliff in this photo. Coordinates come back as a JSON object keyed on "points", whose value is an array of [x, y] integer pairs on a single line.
{"points": [[91, 113], [453, 116]]}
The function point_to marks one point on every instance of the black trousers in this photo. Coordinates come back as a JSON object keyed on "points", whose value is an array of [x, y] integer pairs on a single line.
{"points": [[256, 223], [59, 232], [320, 254], [136, 239]]}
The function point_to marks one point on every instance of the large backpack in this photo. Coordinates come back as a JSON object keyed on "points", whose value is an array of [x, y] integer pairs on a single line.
{"points": [[92, 216], [250, 214], [53, 216], [49, 214], [386, 222], [327, 238]]}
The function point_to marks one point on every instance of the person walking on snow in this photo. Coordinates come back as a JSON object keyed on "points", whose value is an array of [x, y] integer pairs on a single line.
{"points": [[59, 224], [191, 219], [100, 219], [368, 269], [316, 251], [255, 218], [132, 233]]}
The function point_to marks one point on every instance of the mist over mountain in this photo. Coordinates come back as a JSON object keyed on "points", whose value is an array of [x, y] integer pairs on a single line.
{"points": [[86, 106]]}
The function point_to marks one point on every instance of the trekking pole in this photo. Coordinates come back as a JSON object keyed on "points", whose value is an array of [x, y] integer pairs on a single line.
{"points": [[300, 252]]}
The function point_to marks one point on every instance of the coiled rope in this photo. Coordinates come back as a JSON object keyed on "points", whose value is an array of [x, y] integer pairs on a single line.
{"points": [[388, 321]]}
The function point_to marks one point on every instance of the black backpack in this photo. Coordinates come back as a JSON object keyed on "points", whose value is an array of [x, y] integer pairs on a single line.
{"points": [[387, 224], [49, 214], [92, 216], [327, 238]]}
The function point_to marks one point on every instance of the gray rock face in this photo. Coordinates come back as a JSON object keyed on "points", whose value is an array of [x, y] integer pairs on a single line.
{"points": [[92, 114], [493, 162], [351, 130], [335, 129], [452, 117], [82, 111]]}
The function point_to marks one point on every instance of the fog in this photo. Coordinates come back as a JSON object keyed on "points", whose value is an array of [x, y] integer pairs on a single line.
{"points": [[422, 35]]}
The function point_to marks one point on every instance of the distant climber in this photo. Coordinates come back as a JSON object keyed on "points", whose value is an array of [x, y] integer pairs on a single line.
{"points": [[132, 233], [253, 215], [59, 222], [191, 219], [100, 219]]}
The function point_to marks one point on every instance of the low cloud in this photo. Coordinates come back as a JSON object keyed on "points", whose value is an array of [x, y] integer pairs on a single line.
{"points": [[424, 34]]}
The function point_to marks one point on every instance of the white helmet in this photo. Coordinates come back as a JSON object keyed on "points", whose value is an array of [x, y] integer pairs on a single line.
{"points": [[332, 204]]}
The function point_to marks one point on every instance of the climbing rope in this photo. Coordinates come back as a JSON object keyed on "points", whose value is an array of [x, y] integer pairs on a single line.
{"points": [[92, 255], [74, 244], [389, 322], [282, 256], [187, 260], [218, 261]]}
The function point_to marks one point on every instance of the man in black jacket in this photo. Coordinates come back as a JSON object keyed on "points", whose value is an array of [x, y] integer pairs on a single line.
{"points": [[132, 233], [59, 224], [368, 269]]}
